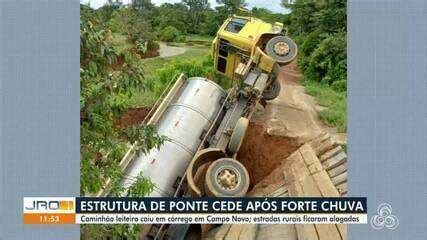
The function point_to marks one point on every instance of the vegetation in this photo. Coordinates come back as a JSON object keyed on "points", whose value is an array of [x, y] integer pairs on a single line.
{"points": [[151, 65], [319, 28], [231, 6], [335, 113], [115, 37], [118, 72], [194, 62], [103, 98], [171, 34], [113, 41], [200, 38]]}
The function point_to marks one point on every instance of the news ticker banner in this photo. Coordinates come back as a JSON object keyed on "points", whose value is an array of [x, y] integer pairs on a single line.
{"points": [[87, 210]]}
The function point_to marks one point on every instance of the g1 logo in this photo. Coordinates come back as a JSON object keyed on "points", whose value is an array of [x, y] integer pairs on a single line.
{"points": [[384, 218]]}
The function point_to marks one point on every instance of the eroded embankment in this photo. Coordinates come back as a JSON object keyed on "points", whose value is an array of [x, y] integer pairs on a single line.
{"points": [[262, 153], [131, 117]]}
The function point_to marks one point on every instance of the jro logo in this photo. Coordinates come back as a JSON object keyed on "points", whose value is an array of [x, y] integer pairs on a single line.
{"points": [[50, 205]]}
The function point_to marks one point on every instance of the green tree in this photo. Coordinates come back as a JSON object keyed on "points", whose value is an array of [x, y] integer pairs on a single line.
{"points": [[211, 22], [319, 27], [267, 15], [301, 19], [103, 95], [131, 22], [175, 15], [102, 99], [332, 16], [196, 9], [232, 6], [142, 4]]}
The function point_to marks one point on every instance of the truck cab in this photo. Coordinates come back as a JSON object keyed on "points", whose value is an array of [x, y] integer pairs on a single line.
{"points": [[239, 38]]}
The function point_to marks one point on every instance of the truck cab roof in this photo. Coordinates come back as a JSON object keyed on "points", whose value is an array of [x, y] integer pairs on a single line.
{"points": [[243, 31]]}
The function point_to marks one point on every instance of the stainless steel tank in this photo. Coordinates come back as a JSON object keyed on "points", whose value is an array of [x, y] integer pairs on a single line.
{"points": [[193, 110]]}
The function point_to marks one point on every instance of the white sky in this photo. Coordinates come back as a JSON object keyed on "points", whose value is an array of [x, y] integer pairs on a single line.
{"points": [[273, 5]]}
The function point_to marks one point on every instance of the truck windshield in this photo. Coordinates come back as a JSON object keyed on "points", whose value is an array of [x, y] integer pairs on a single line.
{"points": [[235, 25]]}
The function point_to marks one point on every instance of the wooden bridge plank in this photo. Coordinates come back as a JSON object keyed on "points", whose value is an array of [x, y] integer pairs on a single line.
{"points": [[234, 232], [342, 229], [249, 232], [342, 188], [308, 154], [335, 161], [331, 153], [277, 231], [325, 185], [324, 146], [337, 170], [341, 178]]}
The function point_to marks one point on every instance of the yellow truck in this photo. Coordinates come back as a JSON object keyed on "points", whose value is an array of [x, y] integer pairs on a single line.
{"points": [[205, 124], [250, 42]]}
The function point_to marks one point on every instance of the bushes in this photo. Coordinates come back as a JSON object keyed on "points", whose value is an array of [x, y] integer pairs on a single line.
{"points": [[171, 34], [212, 21], [168, 14], [328, 62], [307, 45], [319, 28], [147, 49]]}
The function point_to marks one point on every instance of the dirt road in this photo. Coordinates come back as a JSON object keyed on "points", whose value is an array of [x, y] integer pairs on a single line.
{"points": [[169, 51], [286, 123], [294, 113]]}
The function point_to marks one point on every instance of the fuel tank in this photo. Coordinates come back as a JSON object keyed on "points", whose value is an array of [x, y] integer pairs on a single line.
{"points": [[189, 115]]}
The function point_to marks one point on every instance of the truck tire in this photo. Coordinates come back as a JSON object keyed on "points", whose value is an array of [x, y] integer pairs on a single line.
{"points": [[272, 91], [238, 135], [282, 49], [226, 177]]}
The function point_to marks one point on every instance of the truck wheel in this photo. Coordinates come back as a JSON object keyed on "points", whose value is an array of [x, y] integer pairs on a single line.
{"points": [[226, 177], [282, 49], [272, 91], [238, 135]]}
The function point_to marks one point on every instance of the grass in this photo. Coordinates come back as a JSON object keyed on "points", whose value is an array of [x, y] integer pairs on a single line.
{"points": [[150, 65], [142, 99], [194, 40], [151, 68], [199, 38], [335, 114]]}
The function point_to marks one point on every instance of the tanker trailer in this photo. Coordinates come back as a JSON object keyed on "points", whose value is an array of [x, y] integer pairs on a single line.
{"points": [[187, 116]]}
